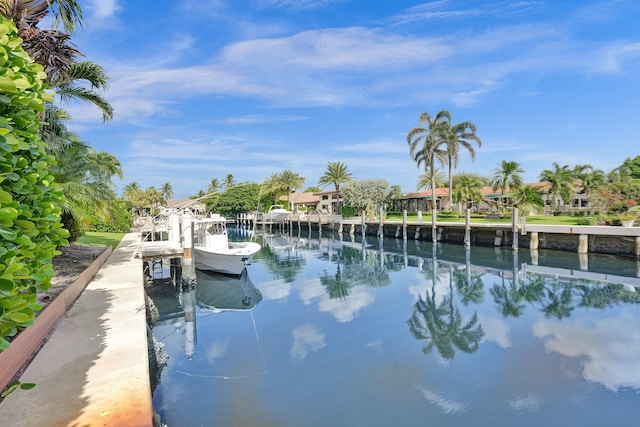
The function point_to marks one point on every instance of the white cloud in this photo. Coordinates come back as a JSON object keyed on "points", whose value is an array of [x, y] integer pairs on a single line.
{"points": [[104, 8], [609, 350], [306, 338], [448, 406]]}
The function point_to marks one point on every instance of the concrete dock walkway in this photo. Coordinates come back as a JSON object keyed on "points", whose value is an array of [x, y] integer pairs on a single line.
{"points": [[94, 369]]}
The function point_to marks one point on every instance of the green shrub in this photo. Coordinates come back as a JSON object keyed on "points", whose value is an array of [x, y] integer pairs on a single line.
{"points": [[119, 219], [30, 226], [348, 211], [587, 221]]}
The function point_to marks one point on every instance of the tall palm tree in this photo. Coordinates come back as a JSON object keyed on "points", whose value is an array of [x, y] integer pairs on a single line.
{"points": [[458, 135], [560, 180], [424, 179], [507, 174], [336, 174], [229, 181], [467, 189], [290, 182], [272, 185], [166, 191], [213, 186], [153, 197], [425, 144]]}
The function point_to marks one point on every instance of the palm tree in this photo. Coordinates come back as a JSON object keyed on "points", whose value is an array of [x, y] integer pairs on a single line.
{"points": [[50, 48], [290, 182], [467, 189], [527, 196], [589, 178], [166, 191], [72, 85], [424, 179], [507, 174], [272, 185], [459, 135], [213, 186], [229, 181], [153, 198], [424, 146], [336, 174], [560, 180]]}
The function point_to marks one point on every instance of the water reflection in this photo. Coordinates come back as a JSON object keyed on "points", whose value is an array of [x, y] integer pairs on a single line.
{"points": [[459, 337]]}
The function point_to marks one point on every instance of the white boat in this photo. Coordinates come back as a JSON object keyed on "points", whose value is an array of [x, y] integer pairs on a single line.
{"points": [[277, 213], [213, 251]]}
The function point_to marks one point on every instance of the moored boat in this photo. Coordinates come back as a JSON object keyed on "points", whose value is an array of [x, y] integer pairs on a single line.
{"points": [[213, 251]]}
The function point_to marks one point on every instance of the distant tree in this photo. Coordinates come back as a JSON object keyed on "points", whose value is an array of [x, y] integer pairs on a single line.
{"points": [[336, 173], [458, 135], [369, 195], [153, 198], [424, 179], [272, 185], [507, 174], [589, 178], [560, 180], [527, 196], [166, 191], [485, 181], [313, 190], [289, 182], [629, 168], [213, 186], [238, 199], [467, 190], [425, 144], [229, 181]]}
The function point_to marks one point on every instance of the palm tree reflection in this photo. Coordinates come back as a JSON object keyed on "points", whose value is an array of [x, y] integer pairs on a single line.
{"points": [[441, 324]]}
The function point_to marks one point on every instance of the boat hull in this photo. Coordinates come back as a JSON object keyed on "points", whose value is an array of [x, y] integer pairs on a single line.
{"points": [[228, 261]]}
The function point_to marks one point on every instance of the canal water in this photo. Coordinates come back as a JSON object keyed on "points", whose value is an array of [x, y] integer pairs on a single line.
{"points": [[329, 330]]}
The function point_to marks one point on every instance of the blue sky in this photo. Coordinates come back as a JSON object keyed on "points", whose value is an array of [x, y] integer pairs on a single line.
{"points": [[205, 88]]}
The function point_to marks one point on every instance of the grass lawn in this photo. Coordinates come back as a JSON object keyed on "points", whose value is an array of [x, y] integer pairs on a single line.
{"points": [[542, 219], [101, 239]]}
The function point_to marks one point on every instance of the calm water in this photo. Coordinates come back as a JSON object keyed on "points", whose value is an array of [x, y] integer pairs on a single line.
{"points": [[329, 332]]}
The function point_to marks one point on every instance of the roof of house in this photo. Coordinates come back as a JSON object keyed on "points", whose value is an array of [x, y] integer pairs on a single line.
{"points": [[302, 198], [440, 192]]}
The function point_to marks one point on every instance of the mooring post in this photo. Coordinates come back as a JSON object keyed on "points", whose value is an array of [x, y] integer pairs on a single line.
{"points": [[404, 224], [467, 227], [514, 228], [187, 235], [534, 241], [364, 223], [583, 244], [381, 224]]}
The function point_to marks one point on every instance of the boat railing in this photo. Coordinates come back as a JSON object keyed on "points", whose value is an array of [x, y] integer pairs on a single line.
{"points": [[155, 228]]}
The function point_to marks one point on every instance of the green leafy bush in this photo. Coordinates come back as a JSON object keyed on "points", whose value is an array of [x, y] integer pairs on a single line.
{"points": [[587, 221], [30, 226]]}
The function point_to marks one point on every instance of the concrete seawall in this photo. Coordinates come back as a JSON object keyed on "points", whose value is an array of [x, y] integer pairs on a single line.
{"points": [[612, 240]]}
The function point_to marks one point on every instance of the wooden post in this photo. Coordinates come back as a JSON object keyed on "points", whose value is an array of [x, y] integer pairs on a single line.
{"points": [[364, 223], [534, 241]]}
